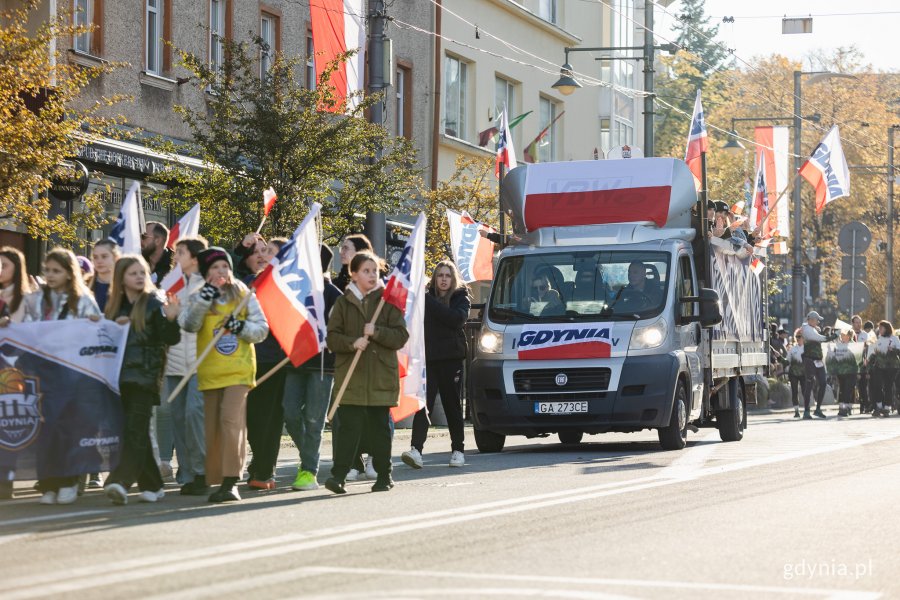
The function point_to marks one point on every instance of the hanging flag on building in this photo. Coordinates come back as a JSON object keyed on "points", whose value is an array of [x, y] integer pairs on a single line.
{"points": [[130, 226], [291, 292], [490, 134], [506, 153], [405, 289], [187, 226], [531, 151], [773, 144], [339, 26], [473, 254], [697, 144], [827, 170]]}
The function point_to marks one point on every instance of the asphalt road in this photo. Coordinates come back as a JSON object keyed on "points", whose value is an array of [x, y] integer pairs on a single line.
{"points": [[796, 510]]}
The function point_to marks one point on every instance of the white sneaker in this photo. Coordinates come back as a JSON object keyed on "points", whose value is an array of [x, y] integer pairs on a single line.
{"points": [[457, 459], [48, 498], [116, 493], [165, 470], [67, 495], [370, 469], [413, 458], [151, 496], [352, 475]]}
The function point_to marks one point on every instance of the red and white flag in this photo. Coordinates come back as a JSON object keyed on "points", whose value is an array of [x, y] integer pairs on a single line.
{"points": [[827, 170], [757, 266], [187, 226], [339, 26], [779, 248], [291, 292], [269, 199], [473, 254], [405, 289], [697, 144], [760, 207], [506, 153], [773, 144]]}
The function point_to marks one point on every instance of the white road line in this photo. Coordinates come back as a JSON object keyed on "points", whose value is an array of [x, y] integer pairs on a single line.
{"points": [[53, 517], [6, 539], [117, 573], [693, 458]]}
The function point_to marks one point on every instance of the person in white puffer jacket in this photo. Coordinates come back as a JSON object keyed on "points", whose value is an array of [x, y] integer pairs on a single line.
{"points": [[187, 407]]}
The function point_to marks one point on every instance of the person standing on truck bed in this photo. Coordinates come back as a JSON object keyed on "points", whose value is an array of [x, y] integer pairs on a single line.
{"points": [[813, 365]]}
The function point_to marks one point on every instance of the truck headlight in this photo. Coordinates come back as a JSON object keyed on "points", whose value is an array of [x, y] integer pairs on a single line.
{"points": [[491, 341], [651, 336]]}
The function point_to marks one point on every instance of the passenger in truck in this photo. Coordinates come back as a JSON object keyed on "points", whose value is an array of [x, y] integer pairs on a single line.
{"points": [[544, 297]]}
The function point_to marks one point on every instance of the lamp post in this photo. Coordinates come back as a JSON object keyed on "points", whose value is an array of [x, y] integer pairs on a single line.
{"points": [[889, 257]]}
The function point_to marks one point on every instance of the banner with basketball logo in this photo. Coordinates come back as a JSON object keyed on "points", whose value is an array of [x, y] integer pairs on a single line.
{"points": [[60, 410]]}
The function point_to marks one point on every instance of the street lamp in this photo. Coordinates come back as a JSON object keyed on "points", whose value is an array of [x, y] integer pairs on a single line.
{"points": [[734, 146], [567, 82]]}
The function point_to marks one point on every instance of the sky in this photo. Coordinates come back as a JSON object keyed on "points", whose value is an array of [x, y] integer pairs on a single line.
{"points": [[757, 28]]}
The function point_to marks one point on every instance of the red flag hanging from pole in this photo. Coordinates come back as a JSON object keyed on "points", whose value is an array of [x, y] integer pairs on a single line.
{"points": [[339, 26], [698, 143]]}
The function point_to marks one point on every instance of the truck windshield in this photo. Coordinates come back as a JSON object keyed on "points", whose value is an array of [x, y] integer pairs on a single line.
{"points": [[579, 285]]}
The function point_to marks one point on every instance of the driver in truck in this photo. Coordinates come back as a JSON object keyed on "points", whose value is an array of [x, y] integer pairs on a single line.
{"points": [[639, 293]]}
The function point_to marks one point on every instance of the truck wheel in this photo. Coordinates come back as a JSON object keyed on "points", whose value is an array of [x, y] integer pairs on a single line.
{"points": [[674, 435], [570, 437], [731, 421], [488, 441]]}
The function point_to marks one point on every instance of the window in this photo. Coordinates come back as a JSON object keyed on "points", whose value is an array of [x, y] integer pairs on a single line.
{"points": [[686, 286], [88, 13], [548, 145], [605, 140], [404, 101], [310, 63], [455, 84], [217, 10], [154, 36], [269, 33], [547, 10]]}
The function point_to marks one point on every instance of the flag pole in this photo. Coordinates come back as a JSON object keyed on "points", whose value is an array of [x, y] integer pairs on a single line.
{"points": [[340, 394], [187, 377], [272, 371], [777, 200], [261, 223]]}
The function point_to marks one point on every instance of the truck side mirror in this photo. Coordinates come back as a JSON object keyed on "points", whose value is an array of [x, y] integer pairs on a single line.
{"points": [[710, 308]]}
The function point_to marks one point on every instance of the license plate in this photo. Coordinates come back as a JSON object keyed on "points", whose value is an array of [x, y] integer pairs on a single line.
{"points": [[560, 408]]}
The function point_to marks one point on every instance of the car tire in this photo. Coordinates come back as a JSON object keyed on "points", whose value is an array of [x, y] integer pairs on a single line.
{"points": [[570, 437], [674, 435], [488, 441], [731, 421]]}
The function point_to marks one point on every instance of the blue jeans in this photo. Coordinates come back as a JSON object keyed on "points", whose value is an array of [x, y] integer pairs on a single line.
{"points": [[188, 428], [306, 398], [165, 434]]}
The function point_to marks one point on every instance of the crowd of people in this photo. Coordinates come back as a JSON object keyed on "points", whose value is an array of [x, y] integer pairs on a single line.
{"points": [[861, 361], [205, 426]]}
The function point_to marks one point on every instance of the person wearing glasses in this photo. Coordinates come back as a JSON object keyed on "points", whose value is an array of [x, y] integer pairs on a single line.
{"points": [[543, 293]]}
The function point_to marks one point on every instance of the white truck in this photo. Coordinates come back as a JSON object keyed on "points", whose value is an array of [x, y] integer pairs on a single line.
{"points": [[611, 311]]}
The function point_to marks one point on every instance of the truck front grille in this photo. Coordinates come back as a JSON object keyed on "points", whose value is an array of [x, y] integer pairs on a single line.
{"points": [[529, 381]]}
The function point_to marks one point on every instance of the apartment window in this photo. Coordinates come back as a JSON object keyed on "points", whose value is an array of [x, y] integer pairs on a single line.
{"points": [[310, 63], [217, 10], [87, 13], [269, 32], [455, 82], [547, 10], [605, 141], [154, 36], [548, 146], [403, 85]]}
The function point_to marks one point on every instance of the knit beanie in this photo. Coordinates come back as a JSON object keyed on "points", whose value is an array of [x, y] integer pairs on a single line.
{"points": [[206, 258]]}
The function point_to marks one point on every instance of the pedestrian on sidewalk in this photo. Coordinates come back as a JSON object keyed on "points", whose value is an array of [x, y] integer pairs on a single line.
{"points": [[133, 299], [226, 375], [796, 373], [374, 387], [307, 390], [813, 365], [884, 363], [186, 408], [447, 307], [843, 365]]}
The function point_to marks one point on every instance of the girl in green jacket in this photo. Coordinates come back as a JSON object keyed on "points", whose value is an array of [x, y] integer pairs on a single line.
{"points": [[374, 386]]}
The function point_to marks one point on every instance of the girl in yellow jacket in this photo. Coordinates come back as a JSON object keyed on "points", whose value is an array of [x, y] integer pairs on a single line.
{"points": [[228, 372], [374, 386]]}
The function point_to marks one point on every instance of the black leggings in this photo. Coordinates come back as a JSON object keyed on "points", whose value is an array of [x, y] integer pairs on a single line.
{"points": [[798, 382], [881, 386], [815, 379], [444, 376], [352, 423], [846, 387]]}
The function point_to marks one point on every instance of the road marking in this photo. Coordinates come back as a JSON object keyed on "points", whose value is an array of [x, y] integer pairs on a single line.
{"points": [[142, 568], [693, 458], [53, 517], [6, 539]]}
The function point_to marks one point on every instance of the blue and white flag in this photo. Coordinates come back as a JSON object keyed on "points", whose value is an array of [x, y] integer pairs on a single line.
{"points": [[129, 227], [60, 410]]}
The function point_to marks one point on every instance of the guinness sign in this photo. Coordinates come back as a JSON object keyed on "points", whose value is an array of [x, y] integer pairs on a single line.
{"points": [[69, 180]]}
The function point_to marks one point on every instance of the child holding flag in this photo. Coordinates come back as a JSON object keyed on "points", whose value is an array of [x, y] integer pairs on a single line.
{"points": [[374, 386], [229, 371], [133, 298]]}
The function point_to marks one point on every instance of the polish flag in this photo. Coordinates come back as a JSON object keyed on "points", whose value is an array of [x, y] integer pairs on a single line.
{"points": [[779, 248], [827, 170], [291, 292], [473, 254], [757, 266], [339, 26], [759, 210], [269, 199], [405, 289], [130, 226], [187, 226], [773, 143], [697, 144], [506, 154]]}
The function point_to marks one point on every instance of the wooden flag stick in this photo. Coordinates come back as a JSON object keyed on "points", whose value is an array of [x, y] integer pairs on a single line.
{"points": [[272, 371], [208, 349], [777, 200], [261, 223], [340, 394]]}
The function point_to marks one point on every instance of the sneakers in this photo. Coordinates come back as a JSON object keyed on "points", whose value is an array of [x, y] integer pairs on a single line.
{"points": [[796, 413], [165, 469], [413, 458], [305, 482], [335, 486], [352, 475], [457, 459], [226, 492], [48, 498], [807, 416], [370, 469], [116, 493], [67, 495], [818, 413], [383, 484], [197, 487], [95, 482], [261, 484], [151, 496]]}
